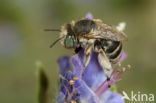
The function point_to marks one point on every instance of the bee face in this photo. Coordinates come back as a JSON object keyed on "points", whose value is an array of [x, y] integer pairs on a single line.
{"points": [[70, 40]]}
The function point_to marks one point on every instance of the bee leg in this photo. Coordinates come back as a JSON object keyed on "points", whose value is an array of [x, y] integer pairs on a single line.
{"points": [[86, 61], [87, 57], [105, 64], [108, 79]]}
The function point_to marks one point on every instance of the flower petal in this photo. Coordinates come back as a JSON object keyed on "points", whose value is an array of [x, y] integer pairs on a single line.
{"points": [[60, 98], [89, 16], [88, 83], [110, 97], [115, 98], [123, 56], [87, 95], [93, 74], [64, 65]]}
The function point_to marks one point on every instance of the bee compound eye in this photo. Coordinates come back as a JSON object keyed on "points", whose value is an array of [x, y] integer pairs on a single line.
{"points": [[69, 42]]}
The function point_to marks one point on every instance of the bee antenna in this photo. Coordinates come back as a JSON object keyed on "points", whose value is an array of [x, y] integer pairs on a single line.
{"points": [[52, 30], [56, 41]]}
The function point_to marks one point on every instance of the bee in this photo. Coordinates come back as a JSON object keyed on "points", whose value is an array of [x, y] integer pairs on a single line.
{"points": [[93, 35]]}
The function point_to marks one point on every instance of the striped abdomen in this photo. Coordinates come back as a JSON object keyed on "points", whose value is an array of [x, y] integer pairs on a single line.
{"points": [[112, 49]]}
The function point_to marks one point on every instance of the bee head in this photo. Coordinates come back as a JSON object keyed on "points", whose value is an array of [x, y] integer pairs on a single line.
{"points": [[70, 39], [67, 36]]}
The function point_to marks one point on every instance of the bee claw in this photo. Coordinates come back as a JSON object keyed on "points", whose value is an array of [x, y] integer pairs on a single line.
{"points": [[108, 79], [109, 86]]}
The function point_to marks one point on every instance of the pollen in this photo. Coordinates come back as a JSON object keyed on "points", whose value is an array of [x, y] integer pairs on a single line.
{"points": [[75, 78], [123, 69], [119, 64], [128, 66], [71, 82], [73, 101]]}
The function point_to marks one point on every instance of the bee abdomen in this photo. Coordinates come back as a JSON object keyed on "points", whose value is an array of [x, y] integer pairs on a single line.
{"points": [[115, 56], [112, 49]]}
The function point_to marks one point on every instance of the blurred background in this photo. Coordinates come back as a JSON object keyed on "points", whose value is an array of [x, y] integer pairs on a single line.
{"points": [[23, 42]]}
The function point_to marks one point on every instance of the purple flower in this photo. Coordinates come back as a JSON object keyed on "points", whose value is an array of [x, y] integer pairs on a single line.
{"points": [[89, 16], [92, 86]]}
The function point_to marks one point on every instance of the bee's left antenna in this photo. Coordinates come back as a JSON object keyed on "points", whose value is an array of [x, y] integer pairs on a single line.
{"points": [[56, 41], [52, 30]]}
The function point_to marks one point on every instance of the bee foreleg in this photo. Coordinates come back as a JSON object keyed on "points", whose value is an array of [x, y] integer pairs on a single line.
{"points": [[87, 57]]}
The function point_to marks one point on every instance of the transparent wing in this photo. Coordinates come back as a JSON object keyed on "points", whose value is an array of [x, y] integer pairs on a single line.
{"points": [[105, 31], [108, 32]]}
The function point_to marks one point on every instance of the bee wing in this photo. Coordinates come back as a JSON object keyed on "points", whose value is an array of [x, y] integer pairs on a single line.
{"points": [[107, 32]]}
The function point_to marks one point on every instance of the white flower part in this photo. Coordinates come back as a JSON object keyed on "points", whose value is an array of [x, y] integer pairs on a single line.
{"points": [[121, 26]]}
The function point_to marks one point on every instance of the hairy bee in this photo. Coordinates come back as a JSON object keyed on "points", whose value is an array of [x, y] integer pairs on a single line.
{"points": [[94, 35]]}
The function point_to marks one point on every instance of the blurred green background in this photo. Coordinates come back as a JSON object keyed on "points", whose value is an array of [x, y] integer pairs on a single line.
{"points": [[23, 42]]}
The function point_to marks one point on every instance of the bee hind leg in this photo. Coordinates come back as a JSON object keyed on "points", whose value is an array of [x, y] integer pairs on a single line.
{"points": [[105, 64]]}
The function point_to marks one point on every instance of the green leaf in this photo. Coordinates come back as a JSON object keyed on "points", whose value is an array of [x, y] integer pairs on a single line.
{"points": [[43, 85]]}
